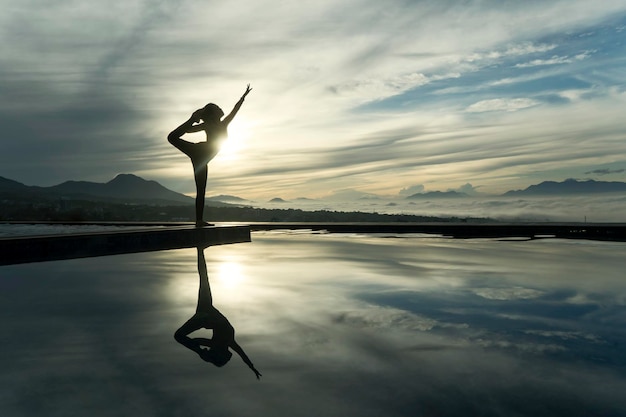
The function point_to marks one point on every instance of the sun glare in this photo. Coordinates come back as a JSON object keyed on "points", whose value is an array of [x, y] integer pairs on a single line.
{"points": [[238, 134], [229, 274]]}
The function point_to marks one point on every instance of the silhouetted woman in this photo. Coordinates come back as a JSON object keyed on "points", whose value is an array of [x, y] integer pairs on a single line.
{"points": [[208, 317], [209, 119]]}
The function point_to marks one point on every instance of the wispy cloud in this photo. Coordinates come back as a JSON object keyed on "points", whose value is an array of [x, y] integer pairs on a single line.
{"points": [[499, 104], [356, 94], [605, 171], [555, 60]]}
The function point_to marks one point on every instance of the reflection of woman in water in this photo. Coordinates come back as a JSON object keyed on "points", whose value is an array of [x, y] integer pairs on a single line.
{"points": [[208, 317], [201, 153]]}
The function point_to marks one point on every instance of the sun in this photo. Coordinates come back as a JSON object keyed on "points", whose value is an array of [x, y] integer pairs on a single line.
{"points": [[238, 135]]}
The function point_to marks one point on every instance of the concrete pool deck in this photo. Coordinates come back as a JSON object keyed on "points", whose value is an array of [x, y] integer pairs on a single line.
{"points": [[26, 249]]}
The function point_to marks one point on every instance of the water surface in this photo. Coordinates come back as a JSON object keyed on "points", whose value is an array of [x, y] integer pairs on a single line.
{"points": [[350, 325]]}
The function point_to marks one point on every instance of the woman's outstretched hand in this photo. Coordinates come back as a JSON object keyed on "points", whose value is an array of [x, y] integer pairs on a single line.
{"points": [[257, 373], [248, 89]]}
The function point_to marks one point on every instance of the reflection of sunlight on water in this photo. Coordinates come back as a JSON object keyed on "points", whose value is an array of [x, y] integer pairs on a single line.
{"points": [[226, 270], [312, 288], [229, 275], [180, 289], [452, 323]]}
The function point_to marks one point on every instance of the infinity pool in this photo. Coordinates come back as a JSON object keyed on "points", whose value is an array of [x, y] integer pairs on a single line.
{"points": [[338, 325]]}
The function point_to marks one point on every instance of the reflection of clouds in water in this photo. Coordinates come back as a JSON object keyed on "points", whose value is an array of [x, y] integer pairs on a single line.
{"points": [[533, 348], [564, 335], [514, 293], [339, 325], [502, 294], [532, 325], [385, 318], [514, 296]]}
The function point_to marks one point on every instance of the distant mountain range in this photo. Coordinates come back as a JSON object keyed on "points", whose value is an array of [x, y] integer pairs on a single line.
{"points": [[128, 188], [545, 188], [123, 188], [570, 187], [436, 194], [225, 198]]}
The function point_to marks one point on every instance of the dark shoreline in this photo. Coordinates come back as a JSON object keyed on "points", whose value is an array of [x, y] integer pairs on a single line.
{"points": [[531, 230]]}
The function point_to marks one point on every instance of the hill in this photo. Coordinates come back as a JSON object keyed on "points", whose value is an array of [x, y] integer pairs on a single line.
{"points": [[225, 198], [10, 185]]}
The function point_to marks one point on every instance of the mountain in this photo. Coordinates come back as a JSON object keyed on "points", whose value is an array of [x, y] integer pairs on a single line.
{"points": [[125, 188], [277, 200], [227, 198], [436, 194], [570, 187], [10, 185], [350, 195]]}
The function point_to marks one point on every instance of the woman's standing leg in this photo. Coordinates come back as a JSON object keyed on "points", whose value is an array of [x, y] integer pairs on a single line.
{"points": [[199, 171], [205, 299], [200, 174], [205, 304]]}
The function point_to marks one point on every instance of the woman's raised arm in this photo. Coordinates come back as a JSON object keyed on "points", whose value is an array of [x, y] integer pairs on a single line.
{"points": [[234, 111], [235, 346]]}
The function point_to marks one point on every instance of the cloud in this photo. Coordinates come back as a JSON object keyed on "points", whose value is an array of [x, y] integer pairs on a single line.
{"points": [[605, 171], [501, 104], [98, 88], [376, 88], [555, 60], [467, 188], [521, 49], [413, 189], [350, 195], [424, 149]]}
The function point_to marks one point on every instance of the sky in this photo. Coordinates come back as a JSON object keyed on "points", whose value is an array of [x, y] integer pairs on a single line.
{"points": [[348, 96]]}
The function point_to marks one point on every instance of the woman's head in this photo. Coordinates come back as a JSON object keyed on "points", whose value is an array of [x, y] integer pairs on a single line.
{"points": [[211, 112], [217, 357]]}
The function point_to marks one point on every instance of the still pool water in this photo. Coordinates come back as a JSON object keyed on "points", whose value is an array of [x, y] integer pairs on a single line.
{"points": [[338, 325]]}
